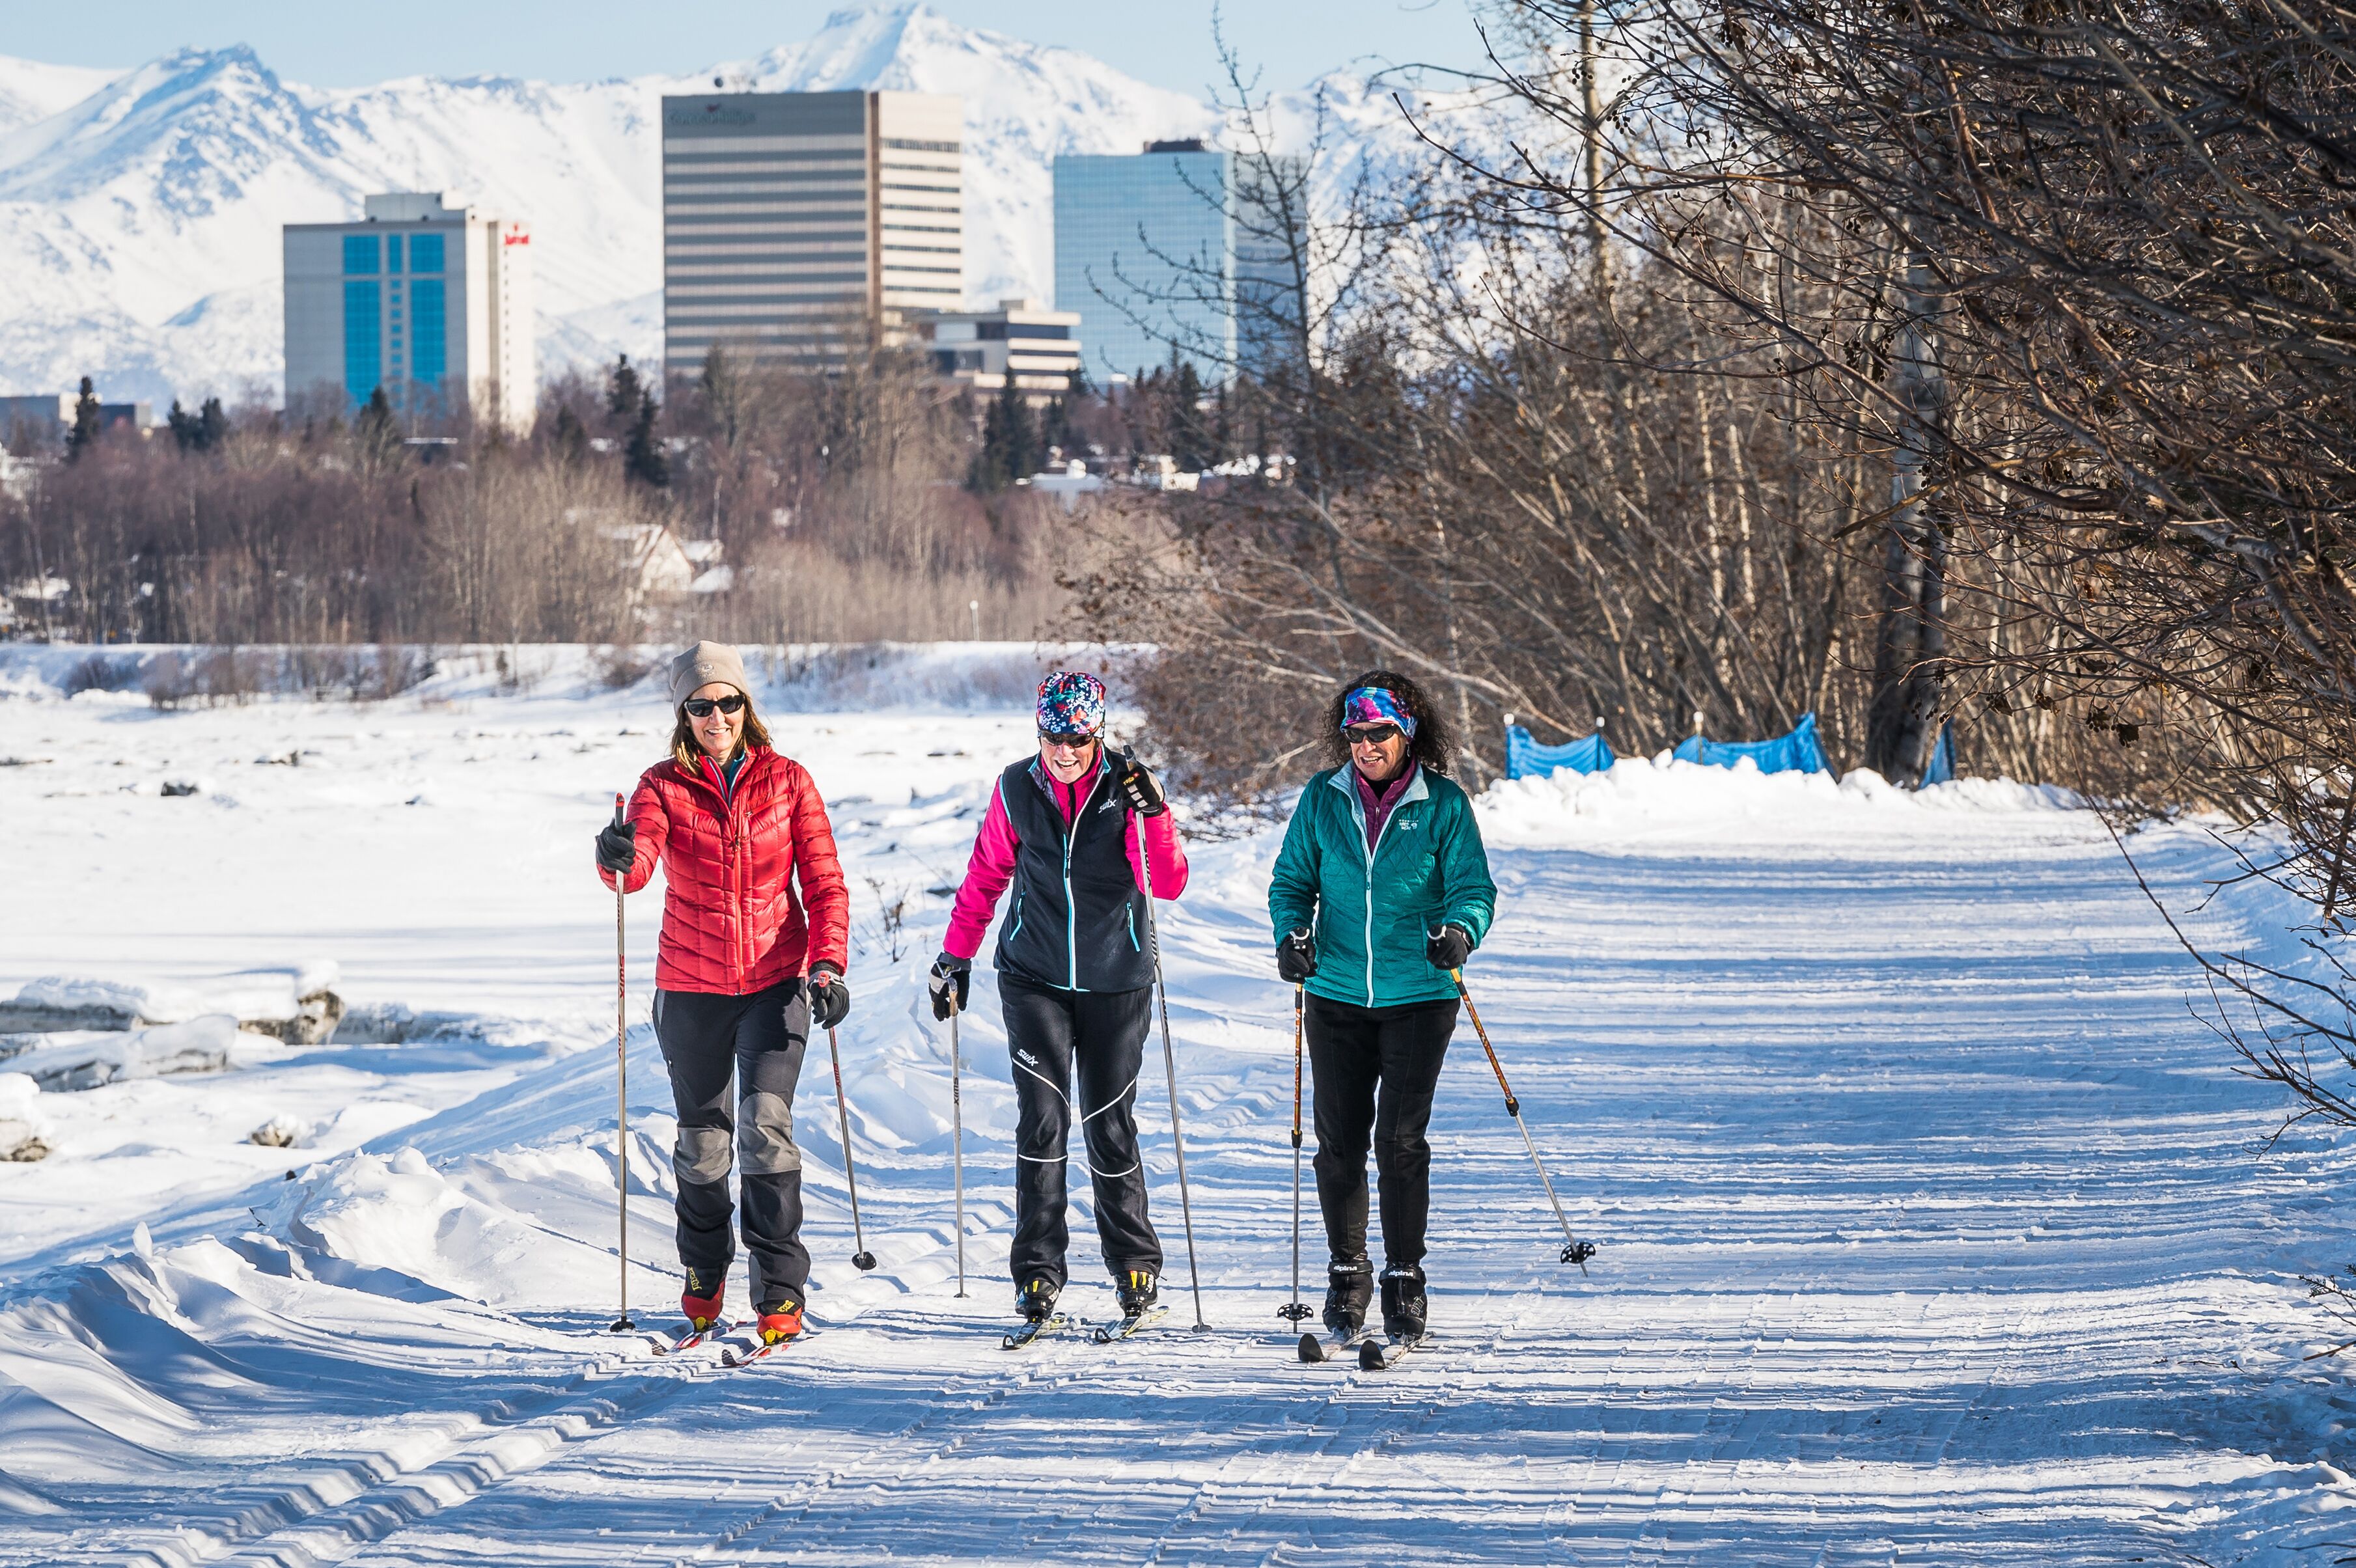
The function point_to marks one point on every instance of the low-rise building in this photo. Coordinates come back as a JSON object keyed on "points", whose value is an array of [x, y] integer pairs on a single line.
{"points": [[41, 421], [1039, 347]]}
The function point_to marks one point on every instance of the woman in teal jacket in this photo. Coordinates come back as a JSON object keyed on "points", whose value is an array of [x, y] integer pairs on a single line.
{"points": [[1381, 889]]}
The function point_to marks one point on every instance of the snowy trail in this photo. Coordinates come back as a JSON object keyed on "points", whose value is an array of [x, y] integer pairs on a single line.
{"points": [[1934, 1229]]}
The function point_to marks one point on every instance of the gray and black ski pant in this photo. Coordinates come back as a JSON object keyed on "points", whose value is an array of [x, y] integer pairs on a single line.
{"points": [[1376, 1070], [1051, 1034], [759, 1039]]}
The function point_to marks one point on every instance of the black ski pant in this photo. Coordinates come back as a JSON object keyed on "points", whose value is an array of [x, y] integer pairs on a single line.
{"points": [[1050, 1033], [759, 1040], [1376, 1070]]}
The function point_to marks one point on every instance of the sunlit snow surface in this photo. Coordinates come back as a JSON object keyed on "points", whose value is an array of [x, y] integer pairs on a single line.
{"points": [[1934, 1227]]}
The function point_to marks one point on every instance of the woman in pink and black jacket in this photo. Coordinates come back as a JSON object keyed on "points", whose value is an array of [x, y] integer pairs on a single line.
{"points": [[1075, 979]]}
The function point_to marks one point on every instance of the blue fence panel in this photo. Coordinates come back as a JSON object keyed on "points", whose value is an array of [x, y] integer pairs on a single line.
{"points": [[1942, 757], [1797, 752], [1525, 758]]}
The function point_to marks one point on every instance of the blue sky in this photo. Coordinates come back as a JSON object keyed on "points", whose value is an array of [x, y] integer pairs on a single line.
{"points": [[1167, 43]]}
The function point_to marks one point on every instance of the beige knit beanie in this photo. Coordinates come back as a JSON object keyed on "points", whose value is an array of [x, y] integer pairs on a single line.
{"points": [[704, 663]]}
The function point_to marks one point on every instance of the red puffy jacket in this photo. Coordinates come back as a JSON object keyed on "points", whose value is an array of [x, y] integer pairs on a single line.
{"points": [[732, 922]]}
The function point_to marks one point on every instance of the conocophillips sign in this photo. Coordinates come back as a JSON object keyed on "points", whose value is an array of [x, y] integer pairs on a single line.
{"points": [[709, 114]]}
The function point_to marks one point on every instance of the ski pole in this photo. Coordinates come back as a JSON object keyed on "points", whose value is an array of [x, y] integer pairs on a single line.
{"points": [[957, 1137], [1296, 1311], [622, 1324], [1574, 1251], [1170, 1062], [862, 1259]]}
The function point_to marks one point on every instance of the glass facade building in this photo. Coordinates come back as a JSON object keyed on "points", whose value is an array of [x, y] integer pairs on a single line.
{"points": [[791, 220], [1170, 250], [431, 303]]}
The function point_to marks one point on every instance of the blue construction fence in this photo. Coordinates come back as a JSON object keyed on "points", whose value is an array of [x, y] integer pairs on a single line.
{"points": [[1799, 751]]}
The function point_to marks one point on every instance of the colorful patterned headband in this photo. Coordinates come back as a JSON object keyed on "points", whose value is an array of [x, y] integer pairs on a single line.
{"points": [[1071, 702], [1373, 705]]}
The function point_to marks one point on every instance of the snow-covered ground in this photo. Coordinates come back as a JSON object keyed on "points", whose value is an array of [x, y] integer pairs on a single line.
{"points": [[1935, 1228]]}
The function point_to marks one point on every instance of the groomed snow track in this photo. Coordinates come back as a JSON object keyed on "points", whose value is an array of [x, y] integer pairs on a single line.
{"points": [[1935, 1228]]}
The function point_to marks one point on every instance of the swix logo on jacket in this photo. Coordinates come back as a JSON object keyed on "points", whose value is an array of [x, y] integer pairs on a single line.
{"points": [[1077, 919]]}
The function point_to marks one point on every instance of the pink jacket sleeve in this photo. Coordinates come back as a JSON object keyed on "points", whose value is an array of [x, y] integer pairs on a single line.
{"points": [[1169, 854], [987, 873]]}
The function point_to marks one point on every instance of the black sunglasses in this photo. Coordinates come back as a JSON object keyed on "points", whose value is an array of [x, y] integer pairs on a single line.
{"points": [[1371, 734], [701, 707], [1063, 738]]}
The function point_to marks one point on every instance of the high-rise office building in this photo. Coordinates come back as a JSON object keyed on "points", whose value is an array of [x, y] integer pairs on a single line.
{"points": [[1173, 248], [432, 303], [792, 220]]}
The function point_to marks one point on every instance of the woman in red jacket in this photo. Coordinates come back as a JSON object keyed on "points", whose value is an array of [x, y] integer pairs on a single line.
{"points": [[747, 964]]}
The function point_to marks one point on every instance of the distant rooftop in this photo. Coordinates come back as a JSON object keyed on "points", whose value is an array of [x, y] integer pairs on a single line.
{"points": [[1182, 145], [409, 207]]}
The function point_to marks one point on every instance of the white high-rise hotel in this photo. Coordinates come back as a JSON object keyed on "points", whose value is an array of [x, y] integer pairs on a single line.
{"points": [[429, 302], [790, 217]]}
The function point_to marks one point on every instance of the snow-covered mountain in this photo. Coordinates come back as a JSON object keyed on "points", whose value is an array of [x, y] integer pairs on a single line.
{"points": [[140, 211]]}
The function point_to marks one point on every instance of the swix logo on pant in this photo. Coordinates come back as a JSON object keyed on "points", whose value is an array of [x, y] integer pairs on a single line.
{"points": [[1025, 1058]]}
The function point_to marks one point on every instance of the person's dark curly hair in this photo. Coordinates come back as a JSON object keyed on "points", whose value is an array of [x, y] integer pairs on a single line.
{"points": [[1433, 743]]}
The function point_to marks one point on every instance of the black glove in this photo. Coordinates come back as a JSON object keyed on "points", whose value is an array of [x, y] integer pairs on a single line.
{"points": [[1143, 790], [830, 998], [1296, 957], [1447, 947], [950, 973], [617, 845]]}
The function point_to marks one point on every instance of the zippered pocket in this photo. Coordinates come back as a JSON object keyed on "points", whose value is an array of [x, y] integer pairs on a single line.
{"points": [[1018, 919], [1133, 930]]}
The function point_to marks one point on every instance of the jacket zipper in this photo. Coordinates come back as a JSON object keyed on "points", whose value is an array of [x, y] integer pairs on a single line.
{"points": [[1358, 813]]}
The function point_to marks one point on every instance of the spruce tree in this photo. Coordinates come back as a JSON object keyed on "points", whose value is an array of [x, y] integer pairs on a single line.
{"points": [[623, 393], [84, 434], [212, 426], [643, 459], [183, 426]]}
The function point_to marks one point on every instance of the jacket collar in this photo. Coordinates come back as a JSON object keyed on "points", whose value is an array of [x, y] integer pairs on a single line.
{"points": [[1345, 779]]}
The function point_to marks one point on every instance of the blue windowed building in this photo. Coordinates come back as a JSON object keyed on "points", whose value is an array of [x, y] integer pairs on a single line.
{"points": [[1175, 249], [432, 303]]}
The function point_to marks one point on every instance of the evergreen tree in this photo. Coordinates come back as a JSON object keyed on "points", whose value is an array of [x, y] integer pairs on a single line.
{"points": [[1190, 433], [571, 439], [723, 394], [624, 395], [84, 434], [212, 426], [1009, 443], [375, 431], [644, 460], [183, 426]]}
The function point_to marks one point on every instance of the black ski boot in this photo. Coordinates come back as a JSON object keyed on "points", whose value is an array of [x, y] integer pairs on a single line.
{"points": [[1404, 1310], [1349, 1287], [1035, 1301], [1138, 1291]]}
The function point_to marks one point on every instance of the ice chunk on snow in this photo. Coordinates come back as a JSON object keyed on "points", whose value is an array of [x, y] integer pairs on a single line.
{"points": [[84, 1059], [159, 1004], [25, 1133]]}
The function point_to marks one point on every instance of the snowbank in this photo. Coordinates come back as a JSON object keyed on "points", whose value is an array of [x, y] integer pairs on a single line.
{"points": [[84, 1059], [795, 678], [1657, 800]]}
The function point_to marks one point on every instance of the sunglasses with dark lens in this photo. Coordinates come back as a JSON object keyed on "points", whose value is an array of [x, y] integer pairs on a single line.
{"points": [[1371, 734], [1058, 738], [701, 707]]}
